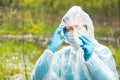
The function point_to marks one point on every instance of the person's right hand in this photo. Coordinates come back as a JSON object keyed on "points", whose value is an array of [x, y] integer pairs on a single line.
{"points": [[56, 41]]}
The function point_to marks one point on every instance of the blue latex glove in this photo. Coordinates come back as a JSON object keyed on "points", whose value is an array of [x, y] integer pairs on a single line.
{"points": [[88, 47], [57, 41]]}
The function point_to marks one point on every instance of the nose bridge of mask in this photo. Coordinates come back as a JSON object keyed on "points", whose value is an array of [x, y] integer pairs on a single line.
{"points": [[74, 33]]}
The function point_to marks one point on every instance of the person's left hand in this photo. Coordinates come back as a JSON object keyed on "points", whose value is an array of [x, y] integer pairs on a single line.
{"points": [[88, 47]]}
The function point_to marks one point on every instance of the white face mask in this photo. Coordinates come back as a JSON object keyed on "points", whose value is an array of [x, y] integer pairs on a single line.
{"points": [[73, 38]]}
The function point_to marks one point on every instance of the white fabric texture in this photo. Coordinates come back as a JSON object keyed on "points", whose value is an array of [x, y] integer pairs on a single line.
{"points": [[69, 64]]}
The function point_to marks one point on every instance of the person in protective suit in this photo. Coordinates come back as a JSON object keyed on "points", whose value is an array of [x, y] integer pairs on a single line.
{"points": [[83, 59]]}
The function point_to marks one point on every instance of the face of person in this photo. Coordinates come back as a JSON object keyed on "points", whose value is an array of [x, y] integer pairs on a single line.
{"points": [[74, 29]]}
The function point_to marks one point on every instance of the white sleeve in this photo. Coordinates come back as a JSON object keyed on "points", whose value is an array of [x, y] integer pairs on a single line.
{"points": [[42, 65], [101, 65]]}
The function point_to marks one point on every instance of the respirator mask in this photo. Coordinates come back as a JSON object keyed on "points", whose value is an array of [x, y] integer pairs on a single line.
{"points": [[73, 37]]}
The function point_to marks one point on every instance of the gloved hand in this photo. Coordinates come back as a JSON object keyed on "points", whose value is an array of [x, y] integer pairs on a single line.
{"points": [[88, 47], [57, 41]]}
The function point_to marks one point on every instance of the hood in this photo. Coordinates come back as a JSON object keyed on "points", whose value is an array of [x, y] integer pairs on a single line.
{"points": [[76, 11]]}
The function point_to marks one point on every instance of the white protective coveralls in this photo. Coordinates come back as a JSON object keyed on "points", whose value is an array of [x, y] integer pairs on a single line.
{"points": [[69, 64]]}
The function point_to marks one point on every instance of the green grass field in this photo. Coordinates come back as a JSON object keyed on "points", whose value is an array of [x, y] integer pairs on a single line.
{"points": [[14, 57]]}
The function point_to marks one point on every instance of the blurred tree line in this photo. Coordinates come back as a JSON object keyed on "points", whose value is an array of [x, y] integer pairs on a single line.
{"points": [[33, 16]]}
